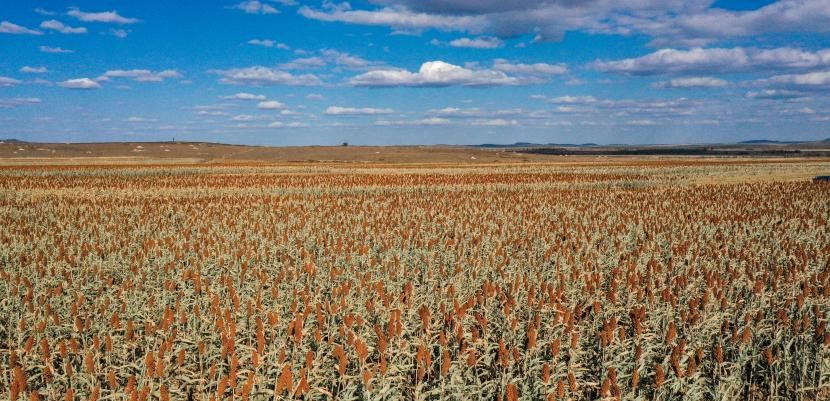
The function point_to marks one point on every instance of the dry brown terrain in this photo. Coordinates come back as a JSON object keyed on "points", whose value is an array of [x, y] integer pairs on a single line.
{"points": [[28, 153], [138, 152]]}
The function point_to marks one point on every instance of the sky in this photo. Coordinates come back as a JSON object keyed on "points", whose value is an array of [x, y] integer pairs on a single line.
{"points": [[383, 72]]}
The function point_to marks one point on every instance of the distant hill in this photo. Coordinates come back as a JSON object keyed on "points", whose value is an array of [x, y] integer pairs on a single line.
{"points": [[533, 145], [757, 142], [769, 142]]}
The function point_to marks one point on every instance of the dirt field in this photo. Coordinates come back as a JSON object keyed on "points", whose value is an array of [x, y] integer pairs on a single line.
{"points": [[23, 153]]}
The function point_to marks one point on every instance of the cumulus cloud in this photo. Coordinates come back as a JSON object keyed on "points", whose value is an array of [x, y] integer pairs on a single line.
{"points": [[346, 60], [482, 42], [430, 121], [329, 56], [641, 122], [109, 17], [270, 105], [776, 94], [269, 43], [248, 117], [141, 75], [14, 29], [475, 112], [119, 33], [398, 18], [56, 25], [256, 7], [265, 76], [495, 122], [571, 99], [80, 83], [55, 50], [540, 70], [18, 101], [6, 82], [783, 16], [687, 22], [807, 81], [716, 60], [33, 70], [434, 74], [354, 111], [245, 96], [622, 107], [692, 82], [135, 119], [651, 108], [280, 124], [304, 63]]}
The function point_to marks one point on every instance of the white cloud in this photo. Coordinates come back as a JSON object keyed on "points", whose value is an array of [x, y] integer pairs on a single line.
{"points": [[572, 100], [55, 50], [280, 124], [346, 60], [434, 74], [304, 63], [56, 25], [641, 123], [353, 111], [806, 81], [532, 70], [18, 101], [142, 75], [430, 121], [680, 21], [33, 70], [270, 105], [140, 120], [42, 11], [6, 81], [650, 108], [783, 16], [398, 18], [248, 117], [692, 82], [776, 94], [339, 59], [314, 96], [14, 29], [245, 96], [260, 76], [621, 108], [269, 43], [211, 113], [497, 122], [80, 83], [119, 33], [482, 42], [256, 7], [110, 17], [454, 112], [716, 60]]}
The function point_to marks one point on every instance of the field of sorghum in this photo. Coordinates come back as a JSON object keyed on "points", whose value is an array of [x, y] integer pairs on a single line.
{"points": [[616, 278]]}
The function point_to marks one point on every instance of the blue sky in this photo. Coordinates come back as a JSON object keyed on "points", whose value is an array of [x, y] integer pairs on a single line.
{"points": [[291, 72]]}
